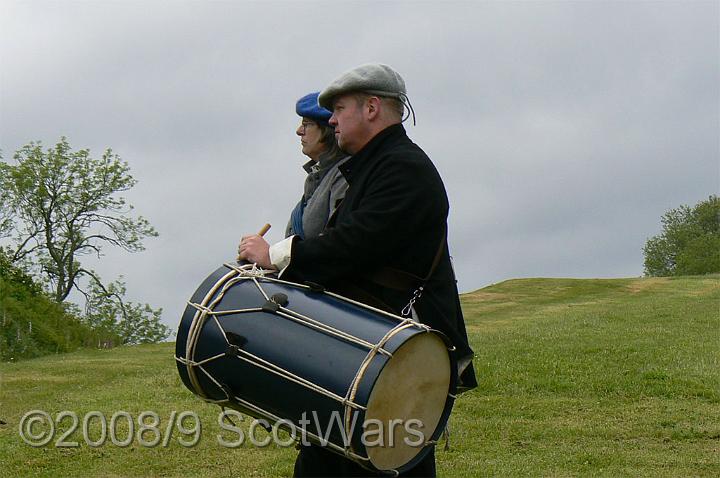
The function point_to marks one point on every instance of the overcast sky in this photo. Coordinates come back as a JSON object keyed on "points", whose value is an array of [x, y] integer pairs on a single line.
{"points": [[563, 130]]}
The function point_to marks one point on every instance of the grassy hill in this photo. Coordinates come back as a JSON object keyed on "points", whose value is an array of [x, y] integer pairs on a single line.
{"points": [[33, 324], [577, 377]]}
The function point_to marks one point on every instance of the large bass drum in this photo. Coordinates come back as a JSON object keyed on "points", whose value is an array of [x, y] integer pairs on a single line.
{"points": [[372, 386]]}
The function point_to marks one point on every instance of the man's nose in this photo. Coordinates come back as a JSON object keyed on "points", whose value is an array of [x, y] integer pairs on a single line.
{"points": [[333, 121]]}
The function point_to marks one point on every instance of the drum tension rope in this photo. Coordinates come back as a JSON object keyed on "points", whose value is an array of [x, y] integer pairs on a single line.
{"points": [[315, 287]]}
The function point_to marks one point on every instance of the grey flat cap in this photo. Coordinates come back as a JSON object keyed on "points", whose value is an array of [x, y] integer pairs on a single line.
{"points": [[373, 78]]}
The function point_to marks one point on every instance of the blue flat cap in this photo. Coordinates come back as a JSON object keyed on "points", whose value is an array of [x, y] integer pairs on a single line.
{"points": [[308, 107], [374, 78]]}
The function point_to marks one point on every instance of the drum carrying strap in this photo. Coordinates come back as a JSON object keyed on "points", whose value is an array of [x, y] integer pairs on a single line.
{"points": [[403, 281]]}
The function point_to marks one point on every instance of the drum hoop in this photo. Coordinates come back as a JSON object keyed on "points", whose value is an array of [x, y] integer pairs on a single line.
{"points": [[352, 390], [200, 317], [195, 328]]}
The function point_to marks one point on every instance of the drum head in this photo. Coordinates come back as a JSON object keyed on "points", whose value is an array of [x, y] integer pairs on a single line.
{"points": [[413, 385]]}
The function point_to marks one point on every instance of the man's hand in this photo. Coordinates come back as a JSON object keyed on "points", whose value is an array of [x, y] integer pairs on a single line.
{"points": [[255, 249]]}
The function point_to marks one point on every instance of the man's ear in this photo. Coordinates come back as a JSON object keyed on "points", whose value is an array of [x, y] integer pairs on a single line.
{"points": [[372, 108]]}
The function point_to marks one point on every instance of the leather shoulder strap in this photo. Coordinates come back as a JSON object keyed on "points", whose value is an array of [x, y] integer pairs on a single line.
{"points": [[397, 279]]}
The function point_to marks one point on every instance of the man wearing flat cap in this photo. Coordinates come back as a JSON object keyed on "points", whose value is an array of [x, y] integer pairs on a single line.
{"points": [[387, 241]]}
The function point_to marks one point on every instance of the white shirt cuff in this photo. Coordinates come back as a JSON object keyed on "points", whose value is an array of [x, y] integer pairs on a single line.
{"points": [[280, 253]]}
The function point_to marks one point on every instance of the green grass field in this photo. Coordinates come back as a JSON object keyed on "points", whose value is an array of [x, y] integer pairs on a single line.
{"points": [[615, 377]]}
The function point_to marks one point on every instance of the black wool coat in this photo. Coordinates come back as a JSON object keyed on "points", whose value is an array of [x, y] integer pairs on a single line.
{"points": [[394, 215]]}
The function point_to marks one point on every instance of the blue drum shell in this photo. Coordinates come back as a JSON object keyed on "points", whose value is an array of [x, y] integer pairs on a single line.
{"points": [[319, 359]]}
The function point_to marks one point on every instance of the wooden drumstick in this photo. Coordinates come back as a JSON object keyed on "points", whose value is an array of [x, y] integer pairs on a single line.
{"points": [[264, 229], [260, 233]]}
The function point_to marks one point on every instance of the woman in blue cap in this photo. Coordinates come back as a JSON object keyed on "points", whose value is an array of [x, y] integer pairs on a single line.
{"points": [[325, 185]]}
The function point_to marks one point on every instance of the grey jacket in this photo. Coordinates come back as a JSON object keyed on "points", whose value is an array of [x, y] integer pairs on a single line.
{"points": [[324, 190]]}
